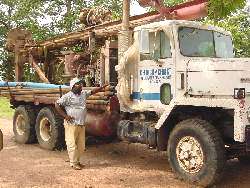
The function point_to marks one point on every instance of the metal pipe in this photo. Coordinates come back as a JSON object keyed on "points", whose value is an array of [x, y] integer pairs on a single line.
{"points": [[124, 36], [125, 15], [191, 13], [190, 10]]}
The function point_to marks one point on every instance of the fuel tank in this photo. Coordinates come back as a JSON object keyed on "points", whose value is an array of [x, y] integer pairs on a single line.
{"points": [[102, 120]]}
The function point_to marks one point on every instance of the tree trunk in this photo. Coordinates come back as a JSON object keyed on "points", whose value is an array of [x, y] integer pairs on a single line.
{"points": [[68, 5]]}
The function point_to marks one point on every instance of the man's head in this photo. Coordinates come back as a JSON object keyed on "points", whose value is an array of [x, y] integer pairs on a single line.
{"points": [[76, 85]]}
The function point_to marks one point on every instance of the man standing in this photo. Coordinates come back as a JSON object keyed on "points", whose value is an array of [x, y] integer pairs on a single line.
{"points": [[74, 103]]}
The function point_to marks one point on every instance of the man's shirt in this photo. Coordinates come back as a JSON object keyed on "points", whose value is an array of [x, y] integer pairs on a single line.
{"points": [[75, 106]]}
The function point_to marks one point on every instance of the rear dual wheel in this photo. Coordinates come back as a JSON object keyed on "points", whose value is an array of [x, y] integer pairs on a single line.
{"points": [[24, 124], [49, 129], [46, 127]]}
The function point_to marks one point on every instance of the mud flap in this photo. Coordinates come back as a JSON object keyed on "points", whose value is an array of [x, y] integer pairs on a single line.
{"points": [[248, 138]]}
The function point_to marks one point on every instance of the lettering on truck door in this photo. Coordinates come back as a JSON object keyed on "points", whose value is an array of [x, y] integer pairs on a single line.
{"points": [[155, 71]]}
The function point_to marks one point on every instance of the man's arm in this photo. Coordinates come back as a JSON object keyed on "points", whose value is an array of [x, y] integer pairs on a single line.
{"points": [[62, 113], [94, 91]]}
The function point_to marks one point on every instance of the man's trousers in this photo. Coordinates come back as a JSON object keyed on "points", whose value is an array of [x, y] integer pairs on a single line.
{"points": [[75, 141]]}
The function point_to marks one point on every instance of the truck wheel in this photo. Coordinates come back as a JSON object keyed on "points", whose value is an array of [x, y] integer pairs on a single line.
{"points": [[49, 129], [196, 152], [24, 125]]}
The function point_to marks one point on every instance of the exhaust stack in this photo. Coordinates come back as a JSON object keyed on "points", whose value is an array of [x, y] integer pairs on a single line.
{"points": [[124, 37]]}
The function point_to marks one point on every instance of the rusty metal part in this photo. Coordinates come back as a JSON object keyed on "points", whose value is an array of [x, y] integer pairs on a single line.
{"points": [[16, 39], [15, 42], [102, 124], [40, 73], [101, 30], [137, 132], [158, 4], [74, 62], [106, 93], [114, 104], [112, 28], [189, 10], [94, 16]]}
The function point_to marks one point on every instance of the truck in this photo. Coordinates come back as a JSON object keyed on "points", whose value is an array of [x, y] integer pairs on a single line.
{"points": [[174, 85]]}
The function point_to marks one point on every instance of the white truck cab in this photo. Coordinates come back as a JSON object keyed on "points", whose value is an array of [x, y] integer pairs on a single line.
{"points": [[181, 90]]}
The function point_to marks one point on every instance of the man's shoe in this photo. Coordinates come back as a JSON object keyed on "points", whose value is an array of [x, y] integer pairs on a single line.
{"points": [[76, 167], [81, 165]]}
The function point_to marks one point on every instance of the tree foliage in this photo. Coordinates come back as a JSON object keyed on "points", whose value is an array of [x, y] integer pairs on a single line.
{"points": [[44, 18], [239, 25], [217, 9]]}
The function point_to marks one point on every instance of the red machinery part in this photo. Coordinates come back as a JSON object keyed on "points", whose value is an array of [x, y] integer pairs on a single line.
{"points": [[191, 13], [104, 123], [190, 10]]}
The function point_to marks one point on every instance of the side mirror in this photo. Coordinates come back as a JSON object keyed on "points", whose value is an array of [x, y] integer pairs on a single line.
{"points": [[144, 42], [234, 52]]}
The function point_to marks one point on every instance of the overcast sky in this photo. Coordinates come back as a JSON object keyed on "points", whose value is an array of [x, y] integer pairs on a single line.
{"points": [[136, 9]]}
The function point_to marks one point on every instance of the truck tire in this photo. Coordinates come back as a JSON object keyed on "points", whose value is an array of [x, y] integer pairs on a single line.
{"points": [[49, 129], [24, 125], [196, 152]]}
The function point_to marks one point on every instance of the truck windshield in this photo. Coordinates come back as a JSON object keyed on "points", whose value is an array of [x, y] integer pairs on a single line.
{"points": [[204, 43]]}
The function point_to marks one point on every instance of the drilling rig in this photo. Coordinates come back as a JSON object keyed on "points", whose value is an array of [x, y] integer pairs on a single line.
{"points": [[168, 80]]}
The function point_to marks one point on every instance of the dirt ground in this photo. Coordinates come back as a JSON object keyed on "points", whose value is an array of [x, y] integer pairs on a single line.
{"points": [[107, 165]]}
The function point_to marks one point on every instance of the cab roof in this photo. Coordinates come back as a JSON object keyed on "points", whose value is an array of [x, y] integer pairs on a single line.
{"points": [[177, 23]]}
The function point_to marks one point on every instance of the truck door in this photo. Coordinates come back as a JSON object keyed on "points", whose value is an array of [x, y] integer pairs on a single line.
{"points": [[154, 70]]}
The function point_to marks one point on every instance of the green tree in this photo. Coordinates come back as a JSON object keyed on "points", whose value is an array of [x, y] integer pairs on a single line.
{"points": [[44, 19], [18, 14], [114, 5], [217, 9], [239, 25]]}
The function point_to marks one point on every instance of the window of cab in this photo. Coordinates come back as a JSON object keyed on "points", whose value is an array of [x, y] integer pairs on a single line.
{"points": [[154, 45]]}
